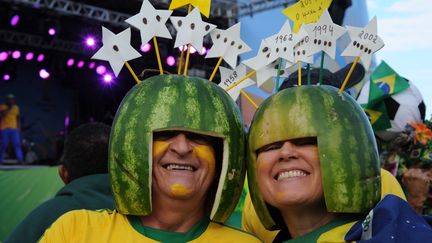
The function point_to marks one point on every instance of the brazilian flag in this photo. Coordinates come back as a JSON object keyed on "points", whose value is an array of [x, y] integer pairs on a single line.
{"points": [[378, 117], [384, 83]]}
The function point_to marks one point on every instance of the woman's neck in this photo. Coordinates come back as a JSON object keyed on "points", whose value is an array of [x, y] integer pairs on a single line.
{"points": [[305, 220]]}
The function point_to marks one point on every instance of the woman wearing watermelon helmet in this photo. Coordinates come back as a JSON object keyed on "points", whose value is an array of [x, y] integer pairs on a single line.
{"points": [[176, 168], [314, 173]]}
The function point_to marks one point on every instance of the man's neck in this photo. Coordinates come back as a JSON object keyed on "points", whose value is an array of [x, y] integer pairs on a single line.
{"points": [[306, 220], [174, 215]]}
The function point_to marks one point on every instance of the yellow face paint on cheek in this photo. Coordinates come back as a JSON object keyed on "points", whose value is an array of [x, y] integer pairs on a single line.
{"points": [[159, 147], [205, 152], [280, 195], [179, 190]]}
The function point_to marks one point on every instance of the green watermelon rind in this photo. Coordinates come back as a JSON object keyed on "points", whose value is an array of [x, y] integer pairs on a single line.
{"points": [[343, 133]]}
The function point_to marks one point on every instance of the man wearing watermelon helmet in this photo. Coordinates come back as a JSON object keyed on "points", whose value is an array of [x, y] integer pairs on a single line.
{"points": [[313, 171], [176, 167]]}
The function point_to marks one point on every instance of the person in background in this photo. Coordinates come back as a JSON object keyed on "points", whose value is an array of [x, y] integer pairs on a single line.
{"points": [[83, 168], [10, 128]]}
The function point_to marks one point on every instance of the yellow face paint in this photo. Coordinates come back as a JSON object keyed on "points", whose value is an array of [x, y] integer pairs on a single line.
{"points": [[280, 194], [205, 152], [159, 147], [179, 190]]}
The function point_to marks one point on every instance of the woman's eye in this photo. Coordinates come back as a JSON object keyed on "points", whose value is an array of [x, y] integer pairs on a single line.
{"points": [[305, 141], [270, 147]]}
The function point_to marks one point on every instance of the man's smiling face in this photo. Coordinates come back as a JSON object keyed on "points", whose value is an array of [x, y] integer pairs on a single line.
{"points": [[183, 164]]}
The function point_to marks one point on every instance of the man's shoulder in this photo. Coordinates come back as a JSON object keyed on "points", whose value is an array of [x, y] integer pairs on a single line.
{"points": [[225, 233]]}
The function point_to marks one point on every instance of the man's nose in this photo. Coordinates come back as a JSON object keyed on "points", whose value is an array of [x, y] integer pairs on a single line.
{"points": [[181, 144]]}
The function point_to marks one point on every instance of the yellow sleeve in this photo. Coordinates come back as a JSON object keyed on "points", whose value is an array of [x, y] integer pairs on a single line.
{"points": [[60, 230], [389, 185], [252, 224]]}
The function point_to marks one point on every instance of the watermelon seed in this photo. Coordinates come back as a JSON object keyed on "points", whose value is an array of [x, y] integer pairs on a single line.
{"points": [[158, 18], [240, 47], [207, 27], [192, 26], [265, 49], [145, 20], [115, 47], [179, 23], [217, 36]]}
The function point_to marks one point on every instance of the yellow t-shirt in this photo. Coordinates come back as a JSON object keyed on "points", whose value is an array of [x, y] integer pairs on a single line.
{"points": [[252, 224], [110, 226], [9, 119]]}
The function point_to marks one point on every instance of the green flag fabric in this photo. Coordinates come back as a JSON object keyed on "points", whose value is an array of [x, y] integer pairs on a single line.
{"points": [[384, 82], [21, 191], [378, 117]]}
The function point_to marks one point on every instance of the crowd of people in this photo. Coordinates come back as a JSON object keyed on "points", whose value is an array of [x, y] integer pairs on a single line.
{"points": [[171, 169]]}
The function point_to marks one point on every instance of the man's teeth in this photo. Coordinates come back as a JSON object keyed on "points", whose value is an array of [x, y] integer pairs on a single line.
{"points": [[291, 174], [179, 167]]}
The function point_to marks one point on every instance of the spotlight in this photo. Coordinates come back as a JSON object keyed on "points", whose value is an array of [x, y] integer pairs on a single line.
{"points": [[40, 57], [29, 56], [192, 50], [44, 74], [107, 78], [182, 48], [145, 47], [16, 54], [203, 50], [80, 64], [6, 77], [52, 31], [170, 61], [100, 69], [92, 65], [90, 41], [3, 56], [14, 20], [70, 62]]}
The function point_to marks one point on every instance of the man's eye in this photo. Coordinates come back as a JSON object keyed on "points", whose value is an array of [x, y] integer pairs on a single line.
{"points": [[198, 138], [164, 135]]}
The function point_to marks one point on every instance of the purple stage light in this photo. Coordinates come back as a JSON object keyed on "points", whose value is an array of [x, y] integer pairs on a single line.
{"points": [[170, 61], [3, 56], [40, 57], [90, 41], [92, 65], [29, 56], [101, 69], [192, 50], [182, 48], [44, 74], [107, 78], [16, 54], [51, 31], [70, 62], [145, 47], [14, 20], [203, 50], [6, 77], [80, 64]]}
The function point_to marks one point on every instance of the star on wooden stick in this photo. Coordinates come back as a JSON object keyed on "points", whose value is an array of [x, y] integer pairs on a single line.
{"points": [[203, 5], [230, 77], [364, 42], [228, 45], [116, 49], [191, 29], [150, 22], [324, 34], [306, 11]]}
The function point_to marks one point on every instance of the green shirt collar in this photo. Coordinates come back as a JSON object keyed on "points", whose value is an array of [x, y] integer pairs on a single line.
{"points": [[168, 236]]}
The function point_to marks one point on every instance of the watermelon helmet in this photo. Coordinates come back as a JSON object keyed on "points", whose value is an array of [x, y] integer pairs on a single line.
{"points": [[171, 102], [347, 148]]}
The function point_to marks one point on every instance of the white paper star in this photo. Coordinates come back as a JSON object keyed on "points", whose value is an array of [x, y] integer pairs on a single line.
{"points": [[282, 44], [228, 45], [364, 42], [191, 29], [302, 50], [269, 71], [230, 77], [116, 49], [324, 35], [150, 22], [260, 60]]}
